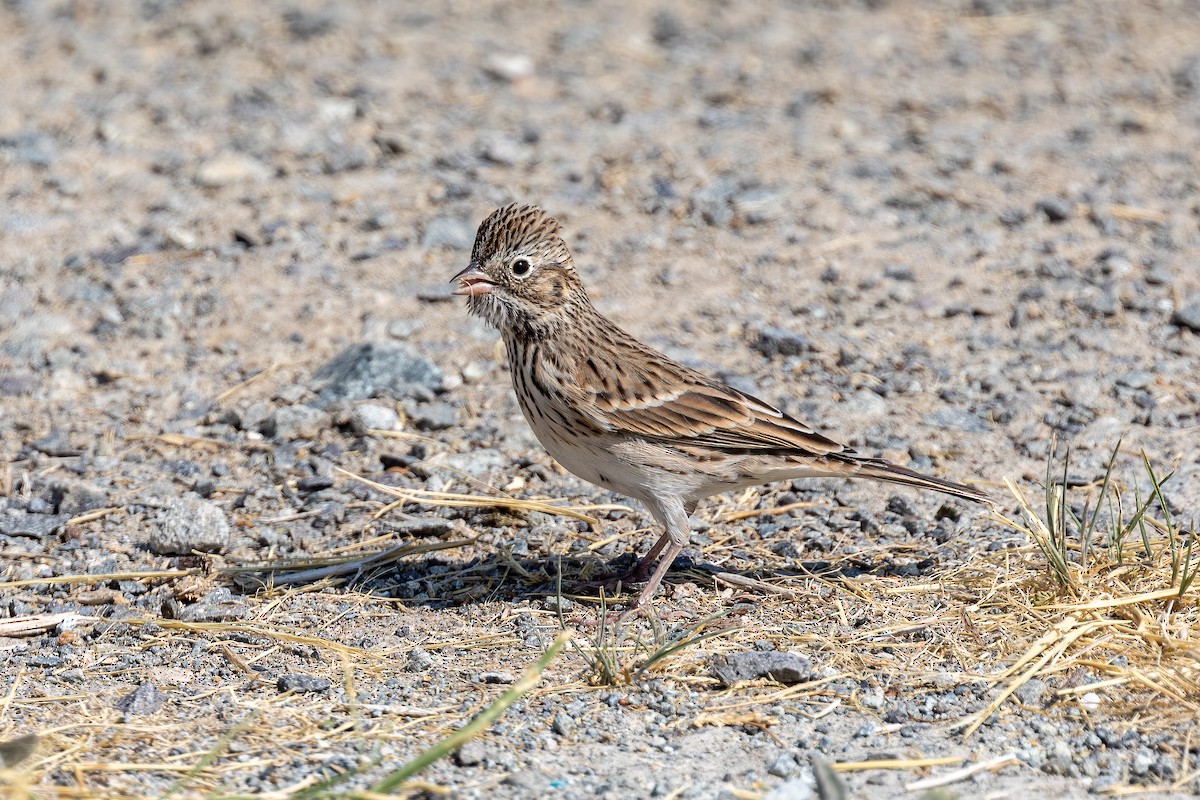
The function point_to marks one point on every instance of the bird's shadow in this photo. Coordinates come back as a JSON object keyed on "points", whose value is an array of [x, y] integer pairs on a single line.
{"points": [[436, 582]]}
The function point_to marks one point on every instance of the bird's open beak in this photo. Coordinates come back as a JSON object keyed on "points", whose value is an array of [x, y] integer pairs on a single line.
{"points": [[472, 281]]}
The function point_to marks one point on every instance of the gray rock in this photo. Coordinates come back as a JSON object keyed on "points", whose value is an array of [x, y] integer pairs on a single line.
{"points": [[448, 232], [1187, 77], [1188, 315], [785, 766], [73, 497], [1056, 209], [1136, 379], [34, 526], [368, 370], [1031, 691], [862, 405], [300, 683], [774, 341], [314, 483], [955, 420], [55, 443], [14, 751], [783, 667], [557, 603], [799, 788], [188, 524], [424, 526], [527, 782], [440, 292], [563, 725], [218, 605], [496, 676], [471, 753], [499, 148], [474, 462], [434, 416], [297, 422], [712, 203], [145, 699], [16, 383], [373, 417], [418, 660], [756, 206]]}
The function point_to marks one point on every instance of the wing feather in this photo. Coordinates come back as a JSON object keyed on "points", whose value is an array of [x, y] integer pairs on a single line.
{"points": [[691, 409]]}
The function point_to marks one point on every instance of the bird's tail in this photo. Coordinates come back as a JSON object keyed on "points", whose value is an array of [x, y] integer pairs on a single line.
{"points": [[885, 471]]}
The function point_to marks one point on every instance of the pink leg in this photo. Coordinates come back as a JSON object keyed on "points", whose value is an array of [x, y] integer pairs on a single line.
{"points": [[642, 568], [648, 593]]}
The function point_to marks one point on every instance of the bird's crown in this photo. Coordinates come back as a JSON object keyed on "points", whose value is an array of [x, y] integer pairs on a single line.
{"points": [[520, 228]]}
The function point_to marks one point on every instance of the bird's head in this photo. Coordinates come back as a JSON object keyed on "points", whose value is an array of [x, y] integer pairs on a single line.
{"points": [[520, 276]]}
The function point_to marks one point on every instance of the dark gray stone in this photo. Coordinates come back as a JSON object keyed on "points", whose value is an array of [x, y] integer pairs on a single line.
{"points": [[17, 749], [297, 422], [956, 420], [783, 667], [1188, 314], [774, 341], [423, 526], [34, 526], [313, 483], [368, 370], [1055, 209], [145, 699], [56, 443], [1031, 691], [434, 416], [210, 611], [418, 660], [188, 524], [300, 683], [471, 753], [563, 725]]}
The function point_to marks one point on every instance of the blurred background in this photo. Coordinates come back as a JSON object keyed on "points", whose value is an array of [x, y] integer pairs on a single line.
{"points": [[944, 232]]}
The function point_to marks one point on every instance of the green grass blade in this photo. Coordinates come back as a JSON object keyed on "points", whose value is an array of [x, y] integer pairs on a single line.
{"points": [[479, 724]]}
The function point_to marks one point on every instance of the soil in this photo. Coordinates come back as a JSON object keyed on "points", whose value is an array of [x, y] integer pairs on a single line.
{"points": [[949, 234]]}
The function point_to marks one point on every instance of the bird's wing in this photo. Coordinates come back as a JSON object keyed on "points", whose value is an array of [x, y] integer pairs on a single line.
{"points": [[651, 396], [709, 414]]}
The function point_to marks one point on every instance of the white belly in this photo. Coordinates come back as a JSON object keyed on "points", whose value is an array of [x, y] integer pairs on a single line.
{"points": [[590, 458]]}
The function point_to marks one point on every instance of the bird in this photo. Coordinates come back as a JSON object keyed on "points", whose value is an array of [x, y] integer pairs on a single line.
{"points": [[625, 417]]}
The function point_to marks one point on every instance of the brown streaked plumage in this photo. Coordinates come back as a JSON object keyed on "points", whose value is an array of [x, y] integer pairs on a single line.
{"points": [[625, 417]]}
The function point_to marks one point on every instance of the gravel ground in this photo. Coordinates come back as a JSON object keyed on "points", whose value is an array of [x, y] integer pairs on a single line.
{"points": [[946, 233]]}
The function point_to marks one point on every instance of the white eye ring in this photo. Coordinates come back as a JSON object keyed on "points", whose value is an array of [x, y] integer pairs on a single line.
{"points": [[521, 267]]}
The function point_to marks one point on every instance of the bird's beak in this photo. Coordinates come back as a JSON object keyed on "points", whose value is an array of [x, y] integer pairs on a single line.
{"points": [[472, 282]]}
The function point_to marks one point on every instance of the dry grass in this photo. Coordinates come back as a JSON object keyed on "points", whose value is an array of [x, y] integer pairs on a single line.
{"points": [[1100, 606]]}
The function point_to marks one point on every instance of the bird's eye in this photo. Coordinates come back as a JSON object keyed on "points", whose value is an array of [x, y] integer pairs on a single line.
{"points": [[521, 267]]}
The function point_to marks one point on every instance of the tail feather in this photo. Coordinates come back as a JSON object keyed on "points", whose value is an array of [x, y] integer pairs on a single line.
{"points": [[885, 471]]}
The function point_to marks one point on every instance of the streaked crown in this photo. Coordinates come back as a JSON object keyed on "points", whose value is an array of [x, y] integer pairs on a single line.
{"points": [[519, 228]]}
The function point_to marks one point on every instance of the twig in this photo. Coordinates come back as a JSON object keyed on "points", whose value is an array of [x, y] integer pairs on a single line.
{"points": [[766, 512], [964, 773], [743, 582], [36, 623]]}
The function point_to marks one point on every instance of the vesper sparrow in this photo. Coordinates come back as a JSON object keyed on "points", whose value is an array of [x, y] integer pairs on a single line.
{"points": [[623, 416]]}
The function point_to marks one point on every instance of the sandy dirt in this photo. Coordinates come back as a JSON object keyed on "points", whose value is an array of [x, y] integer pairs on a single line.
{"points": [[945, 233]]}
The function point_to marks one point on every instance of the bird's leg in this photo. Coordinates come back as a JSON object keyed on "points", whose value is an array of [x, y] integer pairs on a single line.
{"points": [[643, 599], [642, 569], [673, 515]]}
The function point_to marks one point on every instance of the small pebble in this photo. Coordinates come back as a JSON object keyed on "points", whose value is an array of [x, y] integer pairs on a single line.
{"points": [[301, 683]]}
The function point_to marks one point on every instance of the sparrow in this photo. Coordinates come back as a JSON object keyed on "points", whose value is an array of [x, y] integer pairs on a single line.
{"points": [[621, 415]]}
